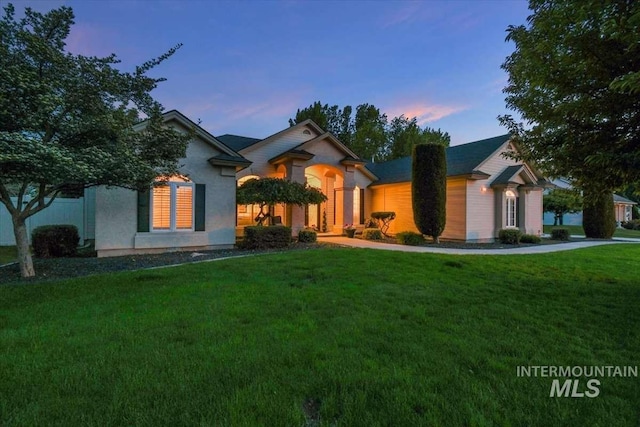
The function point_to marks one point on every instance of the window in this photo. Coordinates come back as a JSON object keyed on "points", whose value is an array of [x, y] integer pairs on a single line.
{"points": [[172, 205], [510, 210]]}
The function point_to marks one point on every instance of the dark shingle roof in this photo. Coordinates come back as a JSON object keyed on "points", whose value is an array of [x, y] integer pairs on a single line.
{"points": [[237, 142], [461, 160], [505, 177]]}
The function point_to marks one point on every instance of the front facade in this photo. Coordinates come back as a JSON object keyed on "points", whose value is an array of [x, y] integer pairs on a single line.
{"points": [[486, 192]]}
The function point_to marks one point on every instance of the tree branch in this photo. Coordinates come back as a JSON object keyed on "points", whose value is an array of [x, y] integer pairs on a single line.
{"points": [[5, 198]]}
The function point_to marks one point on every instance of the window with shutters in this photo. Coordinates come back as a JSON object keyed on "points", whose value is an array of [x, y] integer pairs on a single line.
{"points": [[172, 205]]}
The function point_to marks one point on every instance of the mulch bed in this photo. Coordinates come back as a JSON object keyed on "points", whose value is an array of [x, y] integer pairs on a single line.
{"points": [[63, 268]]}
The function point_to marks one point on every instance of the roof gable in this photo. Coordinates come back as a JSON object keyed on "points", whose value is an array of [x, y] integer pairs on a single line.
{"points": [[259, 143], [462, 159]]}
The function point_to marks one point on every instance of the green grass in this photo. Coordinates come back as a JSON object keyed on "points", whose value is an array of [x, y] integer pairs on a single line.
{"points": [[8, 254], [578, 231], [359, 338]]}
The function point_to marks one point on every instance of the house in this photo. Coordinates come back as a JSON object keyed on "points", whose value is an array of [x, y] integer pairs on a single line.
{"points": [[622, 207], [486, 191]]}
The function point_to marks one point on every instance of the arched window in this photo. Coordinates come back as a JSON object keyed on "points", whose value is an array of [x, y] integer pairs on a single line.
{"points": [[247, 213], [510, 208], [172, 204]]}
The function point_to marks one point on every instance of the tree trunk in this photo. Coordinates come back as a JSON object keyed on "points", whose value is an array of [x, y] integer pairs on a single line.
{"points": [[555, 219], [561, 219], [22, 244]]}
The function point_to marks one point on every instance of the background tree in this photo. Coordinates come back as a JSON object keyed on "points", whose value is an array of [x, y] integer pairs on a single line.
{"points": [[368, 133], [561, 201], [268, 192], [67, 120], [429, 189], [571, 78], [404, 133]]}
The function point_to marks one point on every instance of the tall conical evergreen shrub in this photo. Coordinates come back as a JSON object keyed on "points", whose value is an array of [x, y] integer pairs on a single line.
{"points": [[429, 189]]}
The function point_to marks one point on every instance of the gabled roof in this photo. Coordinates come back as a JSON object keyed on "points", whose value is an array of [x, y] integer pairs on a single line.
{"points": [[507, 175], [461, 160], [244, 143], [237, 142], [623, 200], [335, 141], [175, 115]]}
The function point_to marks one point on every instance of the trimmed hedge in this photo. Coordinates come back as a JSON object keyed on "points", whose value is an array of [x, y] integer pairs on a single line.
{"points": [[530, 238], [307, 236], [429, 188], [509, 236], [55, 241], [260, 237], [410, 238], [560, 234], [634, 224], [372, 234]]}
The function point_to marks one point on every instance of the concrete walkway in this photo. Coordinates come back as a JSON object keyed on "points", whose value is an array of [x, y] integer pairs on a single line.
{"points": [[538, 249]]}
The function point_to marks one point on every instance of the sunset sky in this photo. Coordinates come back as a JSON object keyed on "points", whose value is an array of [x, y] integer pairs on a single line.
{"points": [[247, 66]]}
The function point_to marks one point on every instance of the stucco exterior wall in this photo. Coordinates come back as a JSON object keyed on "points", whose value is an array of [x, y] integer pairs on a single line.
{"points": [[533, 220], [116, 212]]}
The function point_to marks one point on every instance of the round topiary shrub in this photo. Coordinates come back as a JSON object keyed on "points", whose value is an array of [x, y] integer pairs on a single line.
{"points": [[530, 238], [560, 234], [307, 236], [410, 238], [54, 241], [509, 236], [372, 234]]}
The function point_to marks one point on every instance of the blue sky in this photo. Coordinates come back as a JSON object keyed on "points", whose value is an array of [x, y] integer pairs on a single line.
{"points": [[247, 66]]}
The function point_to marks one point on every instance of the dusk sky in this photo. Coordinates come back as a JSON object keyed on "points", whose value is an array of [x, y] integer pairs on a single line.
{"points": [[247, 66]]}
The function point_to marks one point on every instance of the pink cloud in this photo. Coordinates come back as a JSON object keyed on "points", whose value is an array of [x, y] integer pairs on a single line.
{"points": [[425, 113]]}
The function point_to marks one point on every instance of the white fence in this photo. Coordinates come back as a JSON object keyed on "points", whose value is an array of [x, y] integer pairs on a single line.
{"points": [[61, 211]]}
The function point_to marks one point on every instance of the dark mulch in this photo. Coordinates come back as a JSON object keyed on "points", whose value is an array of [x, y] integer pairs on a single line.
{"points": [[63, 268], [495, 245]]}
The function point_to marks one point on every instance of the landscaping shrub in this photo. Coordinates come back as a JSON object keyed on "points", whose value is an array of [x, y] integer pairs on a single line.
{"points": [[530, 238], [560, 234], [634, 224], [53, 241], [509, 236], [429, 189], [410, 238], [598, 216], [307, 236], [260, 237], [372, 234]]}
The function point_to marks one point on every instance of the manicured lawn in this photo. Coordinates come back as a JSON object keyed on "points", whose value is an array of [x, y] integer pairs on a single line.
{"points": [[341, 336], [578, 231], [8, 254]]}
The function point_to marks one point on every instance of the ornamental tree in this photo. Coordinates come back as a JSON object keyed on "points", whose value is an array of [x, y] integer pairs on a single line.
{"points": [[562, 201], [573, 78], [268, 192], [429, 189], [67, 120]]}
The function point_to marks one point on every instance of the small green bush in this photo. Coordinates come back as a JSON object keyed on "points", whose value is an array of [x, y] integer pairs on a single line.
{"points": [[260, 237], [509, 236], [634, 224], [54, 241], [307, 236], [410, 238], [372, 234], [530, 238], [560, 234]]}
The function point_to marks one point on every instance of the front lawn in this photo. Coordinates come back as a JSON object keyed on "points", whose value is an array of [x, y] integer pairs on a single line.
{"points": [[577, 230], [8, 254], [343, 337]]}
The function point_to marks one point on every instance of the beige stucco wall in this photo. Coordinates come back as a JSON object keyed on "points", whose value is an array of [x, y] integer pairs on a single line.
{"points": [[116, 211]]}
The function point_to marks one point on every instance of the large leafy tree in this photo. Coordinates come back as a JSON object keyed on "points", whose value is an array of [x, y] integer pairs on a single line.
{"points": [[330, 118], [268, 192], [67, 120], [573, 80], [560, 202]]}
